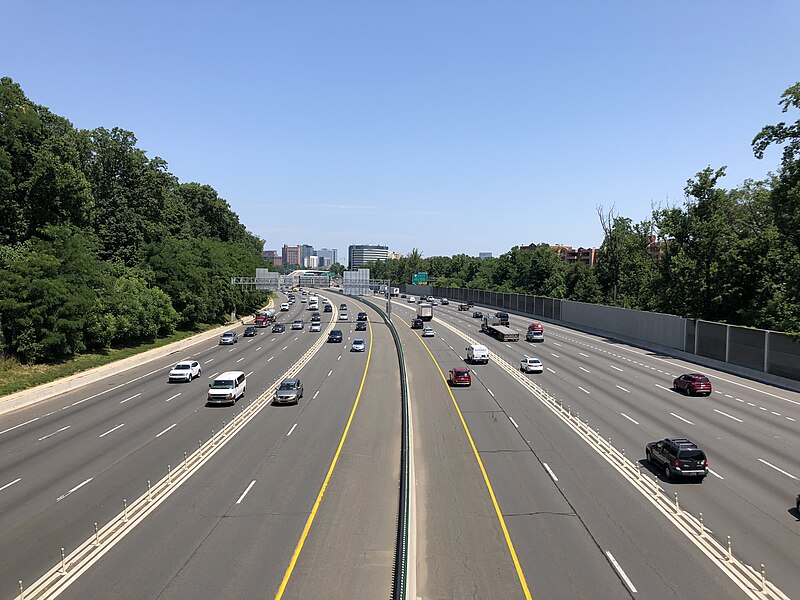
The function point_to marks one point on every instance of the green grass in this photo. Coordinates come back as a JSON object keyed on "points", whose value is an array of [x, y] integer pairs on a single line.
{"points": [[15, 376]]}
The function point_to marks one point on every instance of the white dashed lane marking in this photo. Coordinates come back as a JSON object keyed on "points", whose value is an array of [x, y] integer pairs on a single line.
{"points": [[623, 389], [44, 437], [778, 469], [10, 483], [634, 421], [111, 430], [681, 418]]}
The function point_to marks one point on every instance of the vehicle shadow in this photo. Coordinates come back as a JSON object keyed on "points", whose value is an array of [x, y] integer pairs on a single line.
{"points": [[659, 473]]}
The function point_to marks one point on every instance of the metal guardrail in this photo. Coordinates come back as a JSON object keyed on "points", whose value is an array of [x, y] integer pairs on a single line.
{"points": [[400, 571]]}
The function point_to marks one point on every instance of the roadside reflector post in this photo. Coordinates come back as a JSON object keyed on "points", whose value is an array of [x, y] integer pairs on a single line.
{"points": [[21, 591], [702, 526], [125, 505], [763, 578], [655, 485], [677, 506], [185, 466], [638, 471], [213, 439], [623, 456], [200, 446], [64, 564], [169, 475], [609, 443], [149, 494], [223, 429], [96, 536], [730, 552]]}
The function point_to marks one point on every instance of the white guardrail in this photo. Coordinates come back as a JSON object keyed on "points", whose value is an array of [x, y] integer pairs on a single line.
{"points": [[73, 565], [751, 581]]}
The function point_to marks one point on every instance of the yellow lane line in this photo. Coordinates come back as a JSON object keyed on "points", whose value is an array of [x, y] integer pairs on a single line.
{"points": [[287, 575], [497, 511]]}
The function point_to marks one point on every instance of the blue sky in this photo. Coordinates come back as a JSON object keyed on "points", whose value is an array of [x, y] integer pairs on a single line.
{"points": [[444, 126]]}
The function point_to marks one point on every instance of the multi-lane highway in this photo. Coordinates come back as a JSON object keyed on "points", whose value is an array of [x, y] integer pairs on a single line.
{"points": [[237, 527], [748, 430], [301, 501]]}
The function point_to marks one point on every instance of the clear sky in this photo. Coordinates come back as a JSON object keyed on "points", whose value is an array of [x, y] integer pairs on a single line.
{"points": [[447, 126]]}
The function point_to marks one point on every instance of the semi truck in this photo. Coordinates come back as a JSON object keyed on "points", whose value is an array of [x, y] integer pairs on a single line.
{"points": [[265, 317], [493, 326], [425, 311]]}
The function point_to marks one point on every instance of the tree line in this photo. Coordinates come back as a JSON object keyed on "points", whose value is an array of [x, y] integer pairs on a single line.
{"points": [[727, 255], [102, 246]]}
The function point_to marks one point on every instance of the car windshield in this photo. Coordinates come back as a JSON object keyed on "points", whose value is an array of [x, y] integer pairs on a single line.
{"points": [[181, 367], [222, 384], [287, 386], [691, 454], [701, 379]]}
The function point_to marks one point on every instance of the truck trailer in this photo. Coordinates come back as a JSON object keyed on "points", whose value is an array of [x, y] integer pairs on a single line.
{"points": [[492, 325], [425, 311]]}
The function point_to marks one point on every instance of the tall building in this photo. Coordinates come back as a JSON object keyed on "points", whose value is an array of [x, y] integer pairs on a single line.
{"points": [[305, 252], [272, 255], [360, 254], [311, 262], [483, 255], [327, 257], [292, 255]]}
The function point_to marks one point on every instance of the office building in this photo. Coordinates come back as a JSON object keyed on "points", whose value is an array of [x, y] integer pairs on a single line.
{"points": [[360, 254], [327, 257], [272, 255], [292, 255]]}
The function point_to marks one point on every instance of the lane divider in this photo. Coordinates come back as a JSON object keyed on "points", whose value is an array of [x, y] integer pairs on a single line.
{"points": [[58, 578], [751, 581]]}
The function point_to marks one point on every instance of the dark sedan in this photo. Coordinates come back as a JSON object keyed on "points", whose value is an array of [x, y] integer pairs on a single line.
{"points": [[278, 328], [477, 315], [250, 331], [335, 336]]}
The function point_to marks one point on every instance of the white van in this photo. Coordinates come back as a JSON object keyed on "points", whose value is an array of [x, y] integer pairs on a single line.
{"points": [[226, 388], [285, 306], [477, 353]]}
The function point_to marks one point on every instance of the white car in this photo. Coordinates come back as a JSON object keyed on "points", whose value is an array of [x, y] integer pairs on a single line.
{"points": [[531, 365], [186, 370], [358, 345], [285, 306], [411, 300], [297, 324], [315, 326], [343, 316], [427, 332]]}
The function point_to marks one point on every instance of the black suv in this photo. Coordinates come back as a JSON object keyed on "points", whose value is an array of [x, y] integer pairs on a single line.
{"points": [[327, 308], [416, 323], [362, 316], [503, 316], [315, 317], [677, 457]]}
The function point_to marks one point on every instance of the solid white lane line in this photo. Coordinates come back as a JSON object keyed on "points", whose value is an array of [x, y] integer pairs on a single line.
{"points": [[214, 375], [715, 474], [110, 430], [556, 355], [551, 370], [75, 489], [244, 493], [663, 388], [634, 421], [208, 361], [131, 398], [81, 401], [550, 471], [490, 392], [681, 418], [613, 367], [510, 418], [20, 425], [582, 369], [166, 430], [314, 397], [240, 360], [291, 430], [582, 354], [779, 470], [330, 372], [270, 358], [623, 389], [620, 572], [10, 483], [584, 390], [727, 415], [173, 397], [44, 437]]}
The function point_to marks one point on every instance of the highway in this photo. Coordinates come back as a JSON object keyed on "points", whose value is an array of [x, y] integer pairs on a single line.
{"points": [[237, 522], [301, 501], [747, 429]]}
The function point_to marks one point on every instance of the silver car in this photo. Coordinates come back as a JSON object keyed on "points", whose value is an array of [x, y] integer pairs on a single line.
{"points": [[229, 337], [289, 392]]}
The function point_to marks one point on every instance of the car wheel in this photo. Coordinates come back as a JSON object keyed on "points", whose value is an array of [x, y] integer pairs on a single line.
{"points": [[667, 472], [648, 457]]}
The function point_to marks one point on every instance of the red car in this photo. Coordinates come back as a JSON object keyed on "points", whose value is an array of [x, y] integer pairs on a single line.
{"points": [[692, 384], [459, 376]]}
